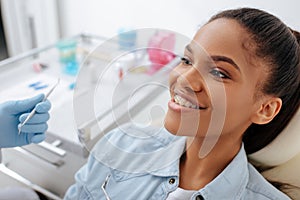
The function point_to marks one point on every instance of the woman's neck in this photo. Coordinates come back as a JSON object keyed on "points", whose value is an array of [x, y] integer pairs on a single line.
{"points": [[196, 172]]}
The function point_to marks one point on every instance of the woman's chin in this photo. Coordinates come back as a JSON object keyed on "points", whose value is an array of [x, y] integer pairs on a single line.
{"points": [[171, 124], [176, 126]]}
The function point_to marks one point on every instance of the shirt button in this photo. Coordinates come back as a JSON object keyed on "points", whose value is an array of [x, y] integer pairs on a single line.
{"points": [[172, 181], [199, 197]]}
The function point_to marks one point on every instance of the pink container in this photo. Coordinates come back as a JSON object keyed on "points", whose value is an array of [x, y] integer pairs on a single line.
{"points": [[160, 49]]}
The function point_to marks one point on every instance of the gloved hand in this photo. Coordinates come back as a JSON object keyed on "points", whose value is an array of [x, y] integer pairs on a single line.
{"points": [[12, 113]]}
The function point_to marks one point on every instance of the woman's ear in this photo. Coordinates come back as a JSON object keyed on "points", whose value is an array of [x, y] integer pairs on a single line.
{"points": [[267, 111]]}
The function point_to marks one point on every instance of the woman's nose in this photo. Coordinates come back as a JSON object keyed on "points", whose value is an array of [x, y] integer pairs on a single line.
{"points": [[192, 80]]}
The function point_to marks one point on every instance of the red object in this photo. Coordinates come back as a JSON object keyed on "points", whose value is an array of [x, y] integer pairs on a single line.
{"points": [[120, 73], [38, 67], [160, 49]]}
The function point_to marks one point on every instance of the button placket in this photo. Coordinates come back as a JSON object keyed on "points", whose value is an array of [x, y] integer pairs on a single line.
{"points": [[172, 181], [199, 197]]}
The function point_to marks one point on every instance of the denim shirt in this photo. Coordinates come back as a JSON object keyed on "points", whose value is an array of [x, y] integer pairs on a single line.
{"points": [[143, 163]]}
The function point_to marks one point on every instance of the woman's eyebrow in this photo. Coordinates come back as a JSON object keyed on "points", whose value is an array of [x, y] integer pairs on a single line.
{"points": [[217, 58], [225, 59], [188, 48]]}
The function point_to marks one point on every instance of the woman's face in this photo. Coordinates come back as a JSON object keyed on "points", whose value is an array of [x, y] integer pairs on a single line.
{"points": [[216, 83]]}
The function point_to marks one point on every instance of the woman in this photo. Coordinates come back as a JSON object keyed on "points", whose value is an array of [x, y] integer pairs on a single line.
{"points": [[247, 83]]}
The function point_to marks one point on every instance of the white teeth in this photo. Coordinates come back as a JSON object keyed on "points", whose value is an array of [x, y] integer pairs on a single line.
{"points": [[184, 102]]}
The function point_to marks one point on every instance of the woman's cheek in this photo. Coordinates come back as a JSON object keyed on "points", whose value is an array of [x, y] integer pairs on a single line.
{"points": [[175, 73]]}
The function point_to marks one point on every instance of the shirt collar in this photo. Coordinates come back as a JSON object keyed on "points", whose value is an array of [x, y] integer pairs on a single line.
{"points": [[233, 178]]}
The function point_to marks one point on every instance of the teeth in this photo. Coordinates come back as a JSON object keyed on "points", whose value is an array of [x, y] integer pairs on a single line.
{"points": [[183, 102]]}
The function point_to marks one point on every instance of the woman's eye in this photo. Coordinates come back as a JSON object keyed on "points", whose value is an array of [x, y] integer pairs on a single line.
{"points": [[218, 74], [186, 61]]}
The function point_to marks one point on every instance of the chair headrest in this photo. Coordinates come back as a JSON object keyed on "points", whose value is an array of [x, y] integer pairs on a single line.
{"points": [[284, 147]]}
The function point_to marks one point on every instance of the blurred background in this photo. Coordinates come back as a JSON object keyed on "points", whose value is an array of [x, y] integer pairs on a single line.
{"points": [[26, 24]]}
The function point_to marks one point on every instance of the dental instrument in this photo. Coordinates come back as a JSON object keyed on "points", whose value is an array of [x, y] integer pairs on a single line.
{"points": [[34, 110]]}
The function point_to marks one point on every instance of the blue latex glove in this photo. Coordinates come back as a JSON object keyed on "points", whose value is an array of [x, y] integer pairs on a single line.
{"points": [[12, 113]]}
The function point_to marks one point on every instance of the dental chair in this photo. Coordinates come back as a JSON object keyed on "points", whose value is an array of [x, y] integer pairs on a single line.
{"points": [[280, 160]]}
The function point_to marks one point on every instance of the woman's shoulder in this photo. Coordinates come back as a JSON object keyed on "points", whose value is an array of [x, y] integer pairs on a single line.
{"points": [[259, 188]]}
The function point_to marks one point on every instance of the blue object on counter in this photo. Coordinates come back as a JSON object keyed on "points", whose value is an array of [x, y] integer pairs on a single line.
{"points": [[38, 85], [72, 86], [71, 67], [126, 38], [34, 84], [67, 56], [67, 50]]}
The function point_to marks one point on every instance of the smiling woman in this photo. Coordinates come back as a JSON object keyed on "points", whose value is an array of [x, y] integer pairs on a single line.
{"points": [[236, 88]]}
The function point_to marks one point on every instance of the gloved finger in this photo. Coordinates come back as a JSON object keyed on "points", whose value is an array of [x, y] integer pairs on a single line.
{"points": [[43, 107], [16, 107], [34, 128], [36, 119], [38, 137], [34, 137]]}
